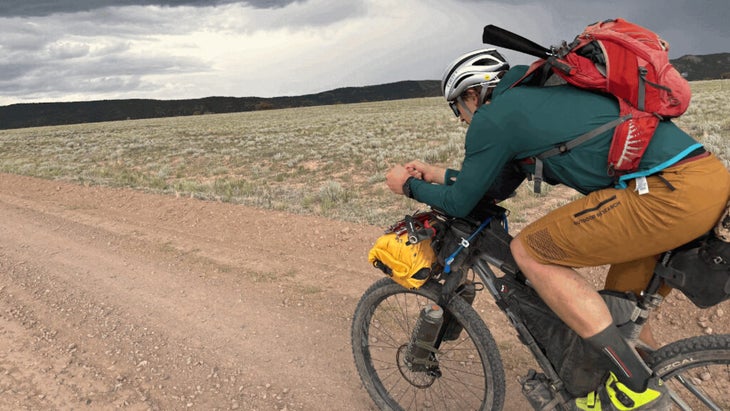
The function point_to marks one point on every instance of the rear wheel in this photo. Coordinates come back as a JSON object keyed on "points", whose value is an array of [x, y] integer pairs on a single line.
{"points": [[469, 375], [697, 370]]}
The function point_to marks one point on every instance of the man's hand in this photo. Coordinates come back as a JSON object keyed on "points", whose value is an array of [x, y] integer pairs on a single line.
{"points": [[395, 178], [426, 172]]}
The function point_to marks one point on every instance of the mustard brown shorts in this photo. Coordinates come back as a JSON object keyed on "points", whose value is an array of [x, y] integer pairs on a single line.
{"points": [[628, 230]]}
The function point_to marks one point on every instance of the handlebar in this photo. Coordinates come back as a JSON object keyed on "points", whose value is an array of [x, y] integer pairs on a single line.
{"points": [[417, 234]]}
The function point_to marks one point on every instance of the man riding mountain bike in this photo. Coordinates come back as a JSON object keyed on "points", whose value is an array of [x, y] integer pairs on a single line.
{"points": [[624, 227]]}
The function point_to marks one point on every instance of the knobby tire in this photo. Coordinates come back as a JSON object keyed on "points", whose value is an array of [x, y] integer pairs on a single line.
{"points": [[694, 368], [472, 375]]}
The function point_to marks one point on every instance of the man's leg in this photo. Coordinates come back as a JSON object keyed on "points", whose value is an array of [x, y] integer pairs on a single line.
{"points": [[634, 276], [566, 292], [580, 306]]}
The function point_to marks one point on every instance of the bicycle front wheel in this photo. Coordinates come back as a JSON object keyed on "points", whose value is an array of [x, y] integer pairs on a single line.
{"points": [[470, 375], [697, 370]]}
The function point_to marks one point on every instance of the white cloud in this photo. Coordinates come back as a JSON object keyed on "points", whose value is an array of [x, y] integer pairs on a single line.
{"points": [[300, 47]]}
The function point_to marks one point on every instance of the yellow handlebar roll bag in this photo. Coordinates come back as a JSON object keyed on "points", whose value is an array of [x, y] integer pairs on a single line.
{"points": [[407, 264]]}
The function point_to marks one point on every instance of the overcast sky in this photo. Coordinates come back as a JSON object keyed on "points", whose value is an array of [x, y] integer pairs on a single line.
{"points": [[174, 49]]}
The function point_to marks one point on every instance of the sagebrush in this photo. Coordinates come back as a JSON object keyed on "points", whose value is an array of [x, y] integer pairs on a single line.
{"points": [[329, 160]]}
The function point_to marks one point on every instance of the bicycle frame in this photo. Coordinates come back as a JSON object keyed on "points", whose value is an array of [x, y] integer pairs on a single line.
{"points": [[482, 264], [488, 276], [386, 329]]}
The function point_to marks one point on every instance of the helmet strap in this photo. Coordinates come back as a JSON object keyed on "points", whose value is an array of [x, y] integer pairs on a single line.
{"points": [[486, 93], [465, 107]]}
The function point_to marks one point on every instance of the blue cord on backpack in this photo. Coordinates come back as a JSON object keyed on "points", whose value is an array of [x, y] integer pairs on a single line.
{"points": [[465, 243]]}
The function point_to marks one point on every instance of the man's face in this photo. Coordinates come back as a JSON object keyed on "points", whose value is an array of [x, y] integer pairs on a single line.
{"points": [[467, 104]]}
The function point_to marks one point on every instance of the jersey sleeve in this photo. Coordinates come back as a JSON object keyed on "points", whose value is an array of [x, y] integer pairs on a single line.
{"points": [[486, 156]]}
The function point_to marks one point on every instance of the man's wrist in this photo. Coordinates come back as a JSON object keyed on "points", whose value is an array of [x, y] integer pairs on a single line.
{"points": [[407, 187]]}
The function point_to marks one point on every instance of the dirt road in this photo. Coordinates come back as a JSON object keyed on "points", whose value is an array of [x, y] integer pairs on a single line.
{"points": [[111, 298], [116, 298]]}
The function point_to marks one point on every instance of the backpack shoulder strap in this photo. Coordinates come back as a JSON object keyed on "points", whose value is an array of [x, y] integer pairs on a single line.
{"points": [[533, 69], [540, 70], [569, 145]]}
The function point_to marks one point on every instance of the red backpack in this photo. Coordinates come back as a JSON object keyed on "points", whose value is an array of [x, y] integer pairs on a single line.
{"points": [[617, 57]]}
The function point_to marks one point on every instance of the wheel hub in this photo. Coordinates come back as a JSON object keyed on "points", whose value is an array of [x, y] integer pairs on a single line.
{"points": [[423, 378]]}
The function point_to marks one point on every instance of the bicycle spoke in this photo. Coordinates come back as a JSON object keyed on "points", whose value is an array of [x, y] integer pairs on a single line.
{"points": [[453, 394], [702, 387], [693, 389]]}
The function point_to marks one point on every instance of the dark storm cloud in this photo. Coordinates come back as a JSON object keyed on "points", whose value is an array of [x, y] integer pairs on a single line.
{"points": [[690, 26], [26, 8]]}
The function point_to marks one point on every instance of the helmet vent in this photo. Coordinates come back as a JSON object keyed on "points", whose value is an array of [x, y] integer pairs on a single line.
{"points": [[484, 62]]}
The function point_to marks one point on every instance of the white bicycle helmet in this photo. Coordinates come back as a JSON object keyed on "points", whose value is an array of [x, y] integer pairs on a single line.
{"points": [[477, 68]]}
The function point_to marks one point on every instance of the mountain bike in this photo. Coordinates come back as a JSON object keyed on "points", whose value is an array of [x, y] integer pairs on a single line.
{"points": [[412, 356]]}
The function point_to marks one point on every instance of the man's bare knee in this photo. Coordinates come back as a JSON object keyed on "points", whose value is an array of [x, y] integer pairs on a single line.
{"points": [[523, 258], [518, 250]]}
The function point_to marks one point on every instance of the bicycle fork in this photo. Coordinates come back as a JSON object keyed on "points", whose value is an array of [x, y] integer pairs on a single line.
{"points": [[422, 348], [432, 328]]}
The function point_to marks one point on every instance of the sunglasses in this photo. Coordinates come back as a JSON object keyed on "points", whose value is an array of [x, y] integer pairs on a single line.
{"points": [[455, 108]]}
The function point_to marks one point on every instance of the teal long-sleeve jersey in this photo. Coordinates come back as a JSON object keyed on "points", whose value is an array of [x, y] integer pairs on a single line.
{"points": [[521, 122]]}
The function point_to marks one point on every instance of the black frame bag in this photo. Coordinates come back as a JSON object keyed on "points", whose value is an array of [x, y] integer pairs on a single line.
{"points": [[701, 271]]}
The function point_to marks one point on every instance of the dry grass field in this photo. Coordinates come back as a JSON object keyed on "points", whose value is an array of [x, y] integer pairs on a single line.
{"points": [[327, 161]]}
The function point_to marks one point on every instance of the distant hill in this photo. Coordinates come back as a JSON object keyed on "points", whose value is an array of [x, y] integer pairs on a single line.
{"points": [[707, 67], [711, 66], [44, 114]]}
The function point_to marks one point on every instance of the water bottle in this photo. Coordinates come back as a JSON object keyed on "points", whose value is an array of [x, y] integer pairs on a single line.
{"points": [[424, 337], [468, 292]]}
